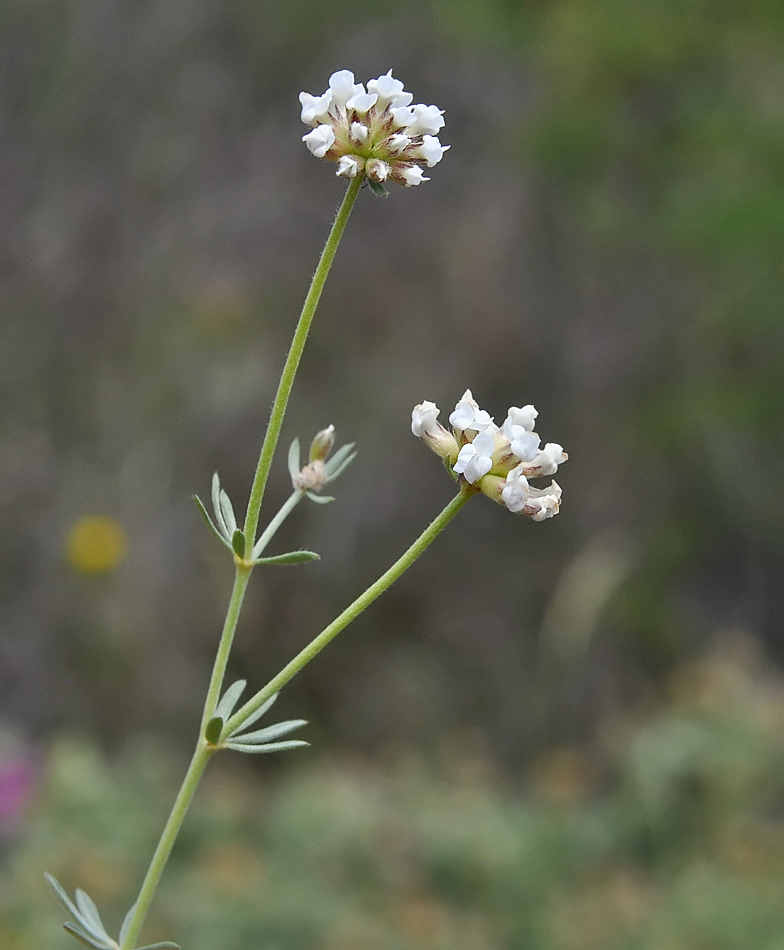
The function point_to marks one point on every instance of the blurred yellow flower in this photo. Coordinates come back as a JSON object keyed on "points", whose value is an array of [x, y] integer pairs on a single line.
{"points": [[95, 544]]}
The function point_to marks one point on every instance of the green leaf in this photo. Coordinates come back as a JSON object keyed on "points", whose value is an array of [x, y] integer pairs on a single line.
{"points": [[126, 923], [64, 899], [89, 914], [319, 499], [209, 521], [166, 945], [255, 716], [249, 747], [83, 936], [238, 543], [213, 729], [294, 465], [271, 732], [227, 510], [340, 461], [216, 507], [377, 188], [226, 706], [293, 557]]}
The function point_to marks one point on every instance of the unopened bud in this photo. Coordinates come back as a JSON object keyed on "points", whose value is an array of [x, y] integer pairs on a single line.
{"points": [[322, 444]]}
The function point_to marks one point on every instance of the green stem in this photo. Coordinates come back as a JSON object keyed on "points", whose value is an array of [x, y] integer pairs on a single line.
{"points": [[198, 763], [241, 578], [351, 612], [286, 509], [292, 360]]}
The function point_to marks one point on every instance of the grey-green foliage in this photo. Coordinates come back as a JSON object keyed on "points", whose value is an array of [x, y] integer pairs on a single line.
{"points": [[664, 833], [260, 740]]}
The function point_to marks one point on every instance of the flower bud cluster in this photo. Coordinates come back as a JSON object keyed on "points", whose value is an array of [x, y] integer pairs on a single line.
{"points": [[376, 133], [497, 460]]}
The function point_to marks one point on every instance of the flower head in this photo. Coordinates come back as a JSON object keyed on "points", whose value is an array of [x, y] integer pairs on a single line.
{"points": [[496, 461], [376, 132]]}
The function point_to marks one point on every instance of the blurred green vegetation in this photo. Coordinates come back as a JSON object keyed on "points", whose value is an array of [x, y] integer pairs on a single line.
{"points": [[664, 834]]}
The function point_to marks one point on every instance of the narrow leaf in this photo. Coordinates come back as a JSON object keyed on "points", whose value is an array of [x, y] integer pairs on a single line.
{"points": [[126, 924], [271, 732], [86, 938], [216, 507], [209, 521], [319, 499], [294, 465], [64, 899], [213, 729], [226, 706], [340, 461], [238, 543], [166, 945], [89, 913], [339, 469], [269, 747], [227, 510], [255, 716], [293, 557]]}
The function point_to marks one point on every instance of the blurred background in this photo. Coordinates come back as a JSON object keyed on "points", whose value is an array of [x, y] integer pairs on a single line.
{"points": [[562, 736]]}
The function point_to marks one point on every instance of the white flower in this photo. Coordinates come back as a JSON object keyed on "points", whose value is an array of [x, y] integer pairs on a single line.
{"points": [[515, 492], [523, 417], [362, 102], [349, 166], [397, 144], [543, 503], [343, 87], [427, 120], [423, 418], [546, 461], [468, 415], [476, 458], [315, 108], [412, 175], [497, 462], [387, 89], [431, 150], [387, 138], [358, 133], [377, 170], [425, 426], [523, 442], [320, 140]]}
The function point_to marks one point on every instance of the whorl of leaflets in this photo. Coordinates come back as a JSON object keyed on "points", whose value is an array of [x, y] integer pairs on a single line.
{"points": [[376, 133], [496, 460]]}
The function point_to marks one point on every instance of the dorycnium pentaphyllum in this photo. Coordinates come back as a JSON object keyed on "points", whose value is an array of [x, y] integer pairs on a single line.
{"points": [[375, 136]]}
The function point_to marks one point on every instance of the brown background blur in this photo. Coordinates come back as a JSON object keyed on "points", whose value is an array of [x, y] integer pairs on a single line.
{"points": [[603, 239]]}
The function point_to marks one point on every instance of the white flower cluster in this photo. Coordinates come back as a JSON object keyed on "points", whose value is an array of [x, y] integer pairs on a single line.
{"points": [[376, 133], [498, 461]]}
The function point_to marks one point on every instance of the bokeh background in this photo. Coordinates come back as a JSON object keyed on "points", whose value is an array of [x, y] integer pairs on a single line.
{"points": [[562, 736]]}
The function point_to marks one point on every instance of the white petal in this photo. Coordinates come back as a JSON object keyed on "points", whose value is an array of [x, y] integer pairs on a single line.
{"points": [[320, 140], [431, 150], [427, 120], [412, 175], [349, 166], [362, 102], [523, 417], [484, 444], [477, 467], [526, 446], [464, 457]]}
